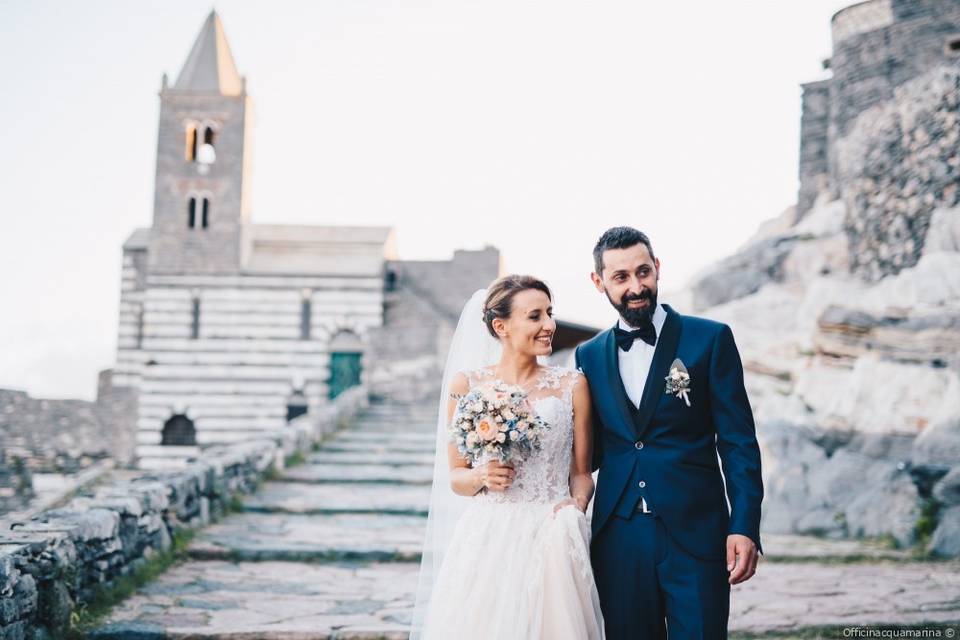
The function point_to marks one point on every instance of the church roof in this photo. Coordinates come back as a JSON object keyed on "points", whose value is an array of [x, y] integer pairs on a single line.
{"points": [[314, 249], [139, 239], [210, 67]]}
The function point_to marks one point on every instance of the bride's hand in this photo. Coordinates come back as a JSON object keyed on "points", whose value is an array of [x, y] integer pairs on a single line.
{"points": [[496, 476], [568, 502]]}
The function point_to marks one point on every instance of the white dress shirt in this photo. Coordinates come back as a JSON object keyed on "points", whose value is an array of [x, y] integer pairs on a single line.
{"points": [[635, 366], [635, 363]]}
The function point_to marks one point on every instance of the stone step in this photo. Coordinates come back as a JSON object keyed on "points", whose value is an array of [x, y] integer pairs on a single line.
{"points": [[371, 436], [395, 420], [392, 427], [372, 473], [371, 457], [303, 498], [314, 538], [797, 548], [426, 410], [220, 600], [374, 446], [360, 601]]}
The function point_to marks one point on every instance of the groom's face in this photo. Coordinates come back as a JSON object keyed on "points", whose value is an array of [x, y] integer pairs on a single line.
{"points": [[629, 280]]}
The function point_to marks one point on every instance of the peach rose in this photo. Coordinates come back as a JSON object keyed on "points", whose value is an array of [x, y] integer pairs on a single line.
{"points": [[487, 430]]}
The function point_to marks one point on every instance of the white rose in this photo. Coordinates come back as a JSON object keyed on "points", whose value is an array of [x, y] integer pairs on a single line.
{"points": [[501, 437], [514, 435], [471, 439], [508, 415]]}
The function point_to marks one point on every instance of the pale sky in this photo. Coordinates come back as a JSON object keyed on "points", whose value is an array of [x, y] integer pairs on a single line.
{"points": [[531, 126]]}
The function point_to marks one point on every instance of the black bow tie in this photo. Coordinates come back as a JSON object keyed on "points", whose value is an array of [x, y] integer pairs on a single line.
{"points": [[646, 332]]}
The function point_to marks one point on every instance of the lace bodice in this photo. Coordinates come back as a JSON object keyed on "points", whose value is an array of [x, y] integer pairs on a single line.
{"points": [[545, 475]]}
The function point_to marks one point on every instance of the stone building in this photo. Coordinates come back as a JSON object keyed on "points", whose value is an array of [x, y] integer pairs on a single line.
{"points": [[878, 46], [228, 328]]}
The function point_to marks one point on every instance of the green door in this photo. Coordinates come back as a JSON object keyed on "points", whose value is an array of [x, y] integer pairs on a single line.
{"points": [[344, 372]]}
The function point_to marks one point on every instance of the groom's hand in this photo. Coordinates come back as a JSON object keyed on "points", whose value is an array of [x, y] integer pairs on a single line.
{"points": [[742, 558]]}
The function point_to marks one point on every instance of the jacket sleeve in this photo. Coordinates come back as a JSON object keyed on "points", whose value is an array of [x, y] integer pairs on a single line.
{"points": [[594, 418], [736, 437]]}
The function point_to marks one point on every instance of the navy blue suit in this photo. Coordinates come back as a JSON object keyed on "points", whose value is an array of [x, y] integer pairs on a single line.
{"points": [[671, 564]]}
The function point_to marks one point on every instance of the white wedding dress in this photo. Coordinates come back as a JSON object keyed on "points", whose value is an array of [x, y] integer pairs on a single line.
{"points": [[514, 569]]}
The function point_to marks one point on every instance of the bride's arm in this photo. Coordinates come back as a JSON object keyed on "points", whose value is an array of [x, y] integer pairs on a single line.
{"points": [[581, 482], [464, 479]]}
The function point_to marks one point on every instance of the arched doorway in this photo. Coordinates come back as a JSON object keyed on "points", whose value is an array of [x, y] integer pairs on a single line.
{"points": [[179, 431], [346, 362]]}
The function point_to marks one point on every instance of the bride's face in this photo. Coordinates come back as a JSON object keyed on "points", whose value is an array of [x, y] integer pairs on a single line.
{"points": [[530, 327]]}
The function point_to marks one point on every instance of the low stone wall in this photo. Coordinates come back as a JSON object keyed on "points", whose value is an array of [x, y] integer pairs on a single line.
{"points": [[62, 558]]}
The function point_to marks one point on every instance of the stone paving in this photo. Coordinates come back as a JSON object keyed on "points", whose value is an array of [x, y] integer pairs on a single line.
{"points": [[331, 550]]}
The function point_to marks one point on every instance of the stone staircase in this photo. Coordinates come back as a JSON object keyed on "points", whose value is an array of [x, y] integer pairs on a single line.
{"points": [[329, 549]]}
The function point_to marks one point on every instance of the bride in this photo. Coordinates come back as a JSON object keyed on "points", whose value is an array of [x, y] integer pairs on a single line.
{"points": [[506, 554]]}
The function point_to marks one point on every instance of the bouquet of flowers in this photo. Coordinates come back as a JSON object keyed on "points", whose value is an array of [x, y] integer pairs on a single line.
{"points": [[496, 423]]}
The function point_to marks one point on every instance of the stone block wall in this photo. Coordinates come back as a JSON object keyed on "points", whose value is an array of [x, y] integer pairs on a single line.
{"points": [[814, 143], [63, 557]]}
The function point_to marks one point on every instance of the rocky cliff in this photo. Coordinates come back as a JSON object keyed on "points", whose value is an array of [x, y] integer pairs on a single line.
{"points": [[848, 322]]}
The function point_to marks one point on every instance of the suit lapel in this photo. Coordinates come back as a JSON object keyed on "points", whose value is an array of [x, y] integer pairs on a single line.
{"points": [[615, 382], [663, 357]]}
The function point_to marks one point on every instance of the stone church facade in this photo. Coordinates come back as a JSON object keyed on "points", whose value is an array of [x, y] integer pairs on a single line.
{"points": [[229, 329]]}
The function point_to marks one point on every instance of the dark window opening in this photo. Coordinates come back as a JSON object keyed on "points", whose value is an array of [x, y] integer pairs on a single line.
{"points": [[305, 313], [192, 213], [205, 214], [195, 323], [390, 281], [953, 44], [140, 328], [179, 431], [208, 136]]}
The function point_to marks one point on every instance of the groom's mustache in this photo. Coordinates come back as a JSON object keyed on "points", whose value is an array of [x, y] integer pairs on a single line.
{"points": [[630, 297]]}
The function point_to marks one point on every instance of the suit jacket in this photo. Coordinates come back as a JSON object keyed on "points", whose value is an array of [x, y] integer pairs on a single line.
{"points": [[665, 451]]}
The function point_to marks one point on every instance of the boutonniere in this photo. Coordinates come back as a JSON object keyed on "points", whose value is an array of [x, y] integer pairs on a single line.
{"points": [[678, 381]]}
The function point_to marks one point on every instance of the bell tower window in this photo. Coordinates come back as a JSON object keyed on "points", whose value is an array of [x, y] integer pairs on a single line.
{"points": [[192, 213], [190, 149], [205, 214]]}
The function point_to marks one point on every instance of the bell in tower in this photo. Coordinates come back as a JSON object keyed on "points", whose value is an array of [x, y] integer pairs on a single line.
{"points": [[201, 201]]}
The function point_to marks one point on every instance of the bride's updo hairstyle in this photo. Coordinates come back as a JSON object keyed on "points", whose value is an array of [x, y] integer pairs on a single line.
{"points": [[500, 294]]}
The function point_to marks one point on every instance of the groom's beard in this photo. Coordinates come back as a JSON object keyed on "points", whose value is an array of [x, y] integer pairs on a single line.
{"points": [[636, 317]]}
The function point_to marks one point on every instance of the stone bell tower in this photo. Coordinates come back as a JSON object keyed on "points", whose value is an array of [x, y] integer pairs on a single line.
{"points": [[201, 200]]}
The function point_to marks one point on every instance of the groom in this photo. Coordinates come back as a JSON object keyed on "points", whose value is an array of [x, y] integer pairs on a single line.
{"points": [[665, 549]]}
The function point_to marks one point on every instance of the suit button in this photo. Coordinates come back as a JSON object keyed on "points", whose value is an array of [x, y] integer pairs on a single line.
{"points": [[642, 484], [638, 444]]}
